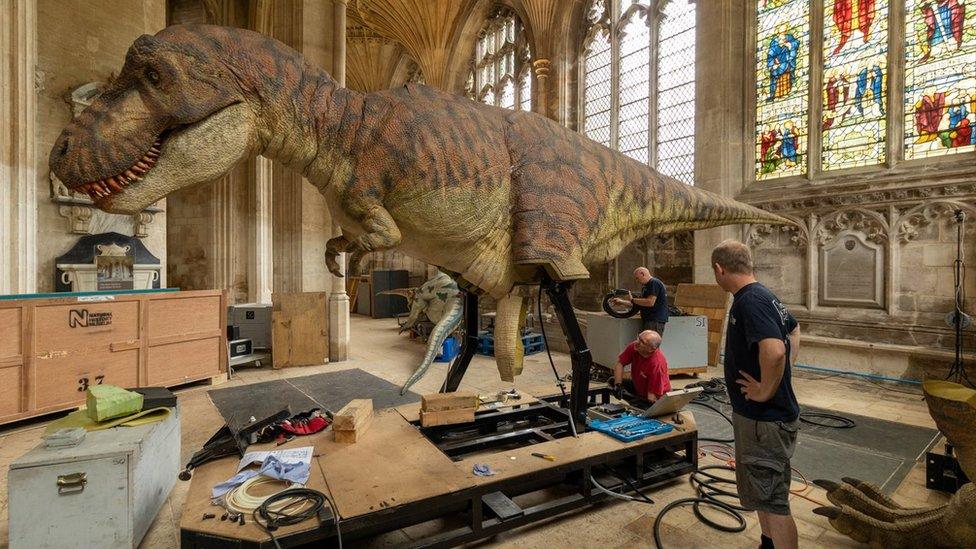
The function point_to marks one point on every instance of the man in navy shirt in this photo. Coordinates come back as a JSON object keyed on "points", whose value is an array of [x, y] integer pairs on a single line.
{"points": [[652, 302], [761, 345]]}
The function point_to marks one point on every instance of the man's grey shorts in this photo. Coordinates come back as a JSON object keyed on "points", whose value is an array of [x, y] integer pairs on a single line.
{"points": [[762, 463]]}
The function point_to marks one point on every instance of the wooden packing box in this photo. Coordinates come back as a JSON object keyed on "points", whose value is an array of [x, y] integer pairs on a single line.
{"points": [[299, 329], [53, 348]]}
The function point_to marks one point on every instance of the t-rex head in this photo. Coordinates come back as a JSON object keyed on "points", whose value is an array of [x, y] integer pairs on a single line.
{"points": [[175, 116]]}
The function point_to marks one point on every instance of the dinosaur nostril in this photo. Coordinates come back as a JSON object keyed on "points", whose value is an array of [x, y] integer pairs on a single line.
{"points": [[64, 147]]}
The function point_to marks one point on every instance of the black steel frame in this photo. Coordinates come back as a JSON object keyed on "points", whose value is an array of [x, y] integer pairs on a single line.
{"points": [[579, 352]]}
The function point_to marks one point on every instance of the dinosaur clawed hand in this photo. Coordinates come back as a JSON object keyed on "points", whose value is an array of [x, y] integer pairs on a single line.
{"points": [[863, 513]]}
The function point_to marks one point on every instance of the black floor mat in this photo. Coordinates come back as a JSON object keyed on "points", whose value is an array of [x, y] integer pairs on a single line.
{"points": [[329, 390], [875, 450]]}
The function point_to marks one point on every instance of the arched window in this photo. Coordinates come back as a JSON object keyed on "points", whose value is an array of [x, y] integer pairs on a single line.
{"points": [[857, 87], [501, 63], [637, 76]]}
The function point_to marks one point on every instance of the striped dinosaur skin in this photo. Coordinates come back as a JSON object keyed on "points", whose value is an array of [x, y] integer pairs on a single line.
{"points": [[493, 197]]}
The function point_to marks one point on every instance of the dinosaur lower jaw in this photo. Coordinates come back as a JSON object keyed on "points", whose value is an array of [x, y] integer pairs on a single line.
{"points": [[115, 184]]}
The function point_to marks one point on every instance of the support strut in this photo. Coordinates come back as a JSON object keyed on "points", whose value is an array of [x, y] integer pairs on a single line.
{"points": [[579, 353], [468, 346]]}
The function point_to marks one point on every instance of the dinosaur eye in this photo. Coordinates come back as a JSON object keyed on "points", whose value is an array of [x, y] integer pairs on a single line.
{"points": [[152, 76]]}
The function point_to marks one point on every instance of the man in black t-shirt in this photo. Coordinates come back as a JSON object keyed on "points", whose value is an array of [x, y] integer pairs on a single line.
{"points": [[652, 301], [761, 345]]}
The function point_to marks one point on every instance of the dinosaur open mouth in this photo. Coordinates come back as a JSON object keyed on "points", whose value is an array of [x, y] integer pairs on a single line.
{"points": [[117, 183]]}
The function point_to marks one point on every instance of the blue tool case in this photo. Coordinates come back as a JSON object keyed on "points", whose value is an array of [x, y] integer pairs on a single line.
{"points": [[629, 428]]}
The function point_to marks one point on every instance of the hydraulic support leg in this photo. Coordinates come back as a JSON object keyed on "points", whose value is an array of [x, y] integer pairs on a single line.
{"points": [[468, 346], [558, 293]]}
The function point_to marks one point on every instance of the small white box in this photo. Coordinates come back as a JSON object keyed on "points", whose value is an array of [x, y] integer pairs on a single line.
{"points": [[254, 321], [104, 492]]}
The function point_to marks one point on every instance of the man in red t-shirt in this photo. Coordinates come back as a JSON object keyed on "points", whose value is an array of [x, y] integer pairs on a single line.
{"points": [[648, 367]]}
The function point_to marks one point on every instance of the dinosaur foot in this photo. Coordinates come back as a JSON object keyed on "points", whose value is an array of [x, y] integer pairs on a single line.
{"points": [[863, 513]]}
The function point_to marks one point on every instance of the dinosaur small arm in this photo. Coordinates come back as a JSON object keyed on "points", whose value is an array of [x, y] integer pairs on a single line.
{"points": [[493, 197]]}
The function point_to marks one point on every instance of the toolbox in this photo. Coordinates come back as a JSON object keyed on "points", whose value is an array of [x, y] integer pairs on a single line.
{"points": [[104, 492]]}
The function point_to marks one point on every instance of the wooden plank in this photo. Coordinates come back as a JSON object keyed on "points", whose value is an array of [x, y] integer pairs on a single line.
{"points": [[701, 295], [363, 478], [206, 476], [446, 417], [185, 361], [177, 316], [436, 402], [11, 324], [519, 462], [299, 329], [348, 437], [10, 390], [353, 415], [182, 338], [688, 370]]}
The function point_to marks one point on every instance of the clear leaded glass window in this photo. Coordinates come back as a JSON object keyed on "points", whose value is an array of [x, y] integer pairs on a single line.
{"points": [[637, 81], [676, 92], [500, 55]]}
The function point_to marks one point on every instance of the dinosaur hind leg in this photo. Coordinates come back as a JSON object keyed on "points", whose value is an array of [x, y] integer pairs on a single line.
{"points": [[444, 327], [509, 320]]}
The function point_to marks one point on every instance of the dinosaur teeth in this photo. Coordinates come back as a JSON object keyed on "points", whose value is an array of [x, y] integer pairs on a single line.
{"points": [[141, 166], [114, 184], [130, 175]]}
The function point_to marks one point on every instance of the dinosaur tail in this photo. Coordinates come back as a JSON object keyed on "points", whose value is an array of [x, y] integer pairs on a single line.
{"points": [[444, 327], [674, 206]]}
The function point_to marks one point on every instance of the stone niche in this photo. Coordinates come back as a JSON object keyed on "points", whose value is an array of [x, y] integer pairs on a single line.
{"points": [[852, 272]]}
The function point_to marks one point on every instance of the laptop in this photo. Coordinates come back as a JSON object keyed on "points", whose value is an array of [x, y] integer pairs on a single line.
{"points": [[672, 402]]}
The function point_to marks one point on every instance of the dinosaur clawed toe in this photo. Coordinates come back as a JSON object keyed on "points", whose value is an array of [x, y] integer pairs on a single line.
{"points": [[864, 513]]}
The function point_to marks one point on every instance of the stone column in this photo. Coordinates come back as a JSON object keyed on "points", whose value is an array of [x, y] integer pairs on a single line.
{"points": [[542, 67], [18, 185], [338, 299], [261, 258], [723, 151]]}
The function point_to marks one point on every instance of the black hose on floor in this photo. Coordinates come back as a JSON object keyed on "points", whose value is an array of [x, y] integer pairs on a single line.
{"points": [[708, 496]]}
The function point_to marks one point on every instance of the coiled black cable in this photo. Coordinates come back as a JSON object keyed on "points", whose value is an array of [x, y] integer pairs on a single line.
{"points": [[841, 421], [707, 496], [300, 497]]}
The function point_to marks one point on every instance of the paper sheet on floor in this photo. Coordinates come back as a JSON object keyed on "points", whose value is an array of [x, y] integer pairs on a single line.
{"points": [[291, 455]]}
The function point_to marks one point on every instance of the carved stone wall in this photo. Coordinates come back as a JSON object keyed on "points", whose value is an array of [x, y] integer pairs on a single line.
{"points": [[77, 45], [911, 232]]}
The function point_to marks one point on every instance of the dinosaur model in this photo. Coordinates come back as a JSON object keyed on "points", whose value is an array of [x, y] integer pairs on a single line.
{"points": [[862, 512], [493, 197], [439, 300]]}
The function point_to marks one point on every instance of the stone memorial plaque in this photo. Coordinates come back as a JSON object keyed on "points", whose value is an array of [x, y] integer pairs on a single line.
{"points": [[852, 272]]}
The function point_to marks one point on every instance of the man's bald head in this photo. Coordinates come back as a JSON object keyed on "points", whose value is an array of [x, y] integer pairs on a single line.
{"points": [[647, 342], [642, 275]]}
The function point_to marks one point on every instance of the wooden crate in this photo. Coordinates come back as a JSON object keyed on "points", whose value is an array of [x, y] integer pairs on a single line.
{"points": [[299, 329], [707, 300], [53, 348]]}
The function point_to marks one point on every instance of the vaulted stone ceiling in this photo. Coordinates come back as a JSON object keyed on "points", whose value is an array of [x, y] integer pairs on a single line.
{"points": [[371, 59], [426, 29]]}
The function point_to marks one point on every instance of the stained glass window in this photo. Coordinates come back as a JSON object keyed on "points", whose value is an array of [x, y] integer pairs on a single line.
{"points": [[597, 74], [855, 90], [500, 52], [676, 92], [634, 86], [782, 75], [940, 77]]}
